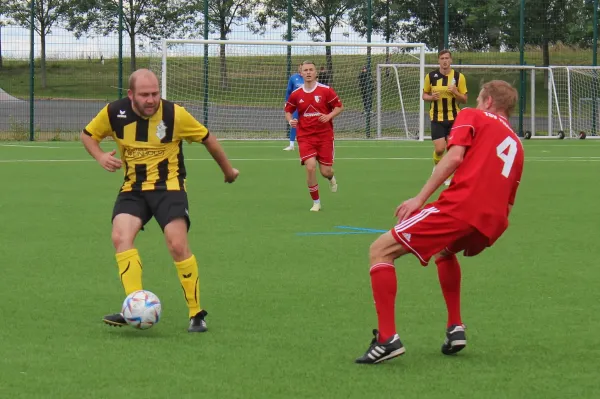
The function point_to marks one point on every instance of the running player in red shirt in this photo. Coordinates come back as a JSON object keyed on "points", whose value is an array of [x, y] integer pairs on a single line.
{"points": [[486, 157], [317, 105]]}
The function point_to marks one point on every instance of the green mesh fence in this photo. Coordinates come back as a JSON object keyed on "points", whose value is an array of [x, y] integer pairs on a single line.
{"points": [[76, 64]]}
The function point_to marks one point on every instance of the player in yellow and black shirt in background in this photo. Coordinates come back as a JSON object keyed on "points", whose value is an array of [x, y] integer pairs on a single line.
{"points": [[445, 88], [149, 133]]}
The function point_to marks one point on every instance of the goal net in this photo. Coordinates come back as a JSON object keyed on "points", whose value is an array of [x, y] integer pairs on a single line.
{"points": [[542, 114], [238, 88], [578, 96]]}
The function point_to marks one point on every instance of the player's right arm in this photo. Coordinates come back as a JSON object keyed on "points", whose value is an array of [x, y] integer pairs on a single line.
{"points": [[290, 108], [427, 95], [93, 134], [442, 171]]}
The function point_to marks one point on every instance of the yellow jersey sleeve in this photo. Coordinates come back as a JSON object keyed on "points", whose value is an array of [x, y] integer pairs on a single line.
{"points": [[462, 84], [100, 126], [427, 84], [187, 127]]}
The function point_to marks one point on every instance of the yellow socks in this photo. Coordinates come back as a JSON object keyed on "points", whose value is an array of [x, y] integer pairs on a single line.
{"points": [[187, 271], [130, 270], [436, 158]]}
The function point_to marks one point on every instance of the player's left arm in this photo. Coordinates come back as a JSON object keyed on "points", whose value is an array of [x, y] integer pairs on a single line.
{"points": [[513, 193], [218, 153], [333, 101], [188, 128]]}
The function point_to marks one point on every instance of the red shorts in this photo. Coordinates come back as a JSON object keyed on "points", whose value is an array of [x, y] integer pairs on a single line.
{"points": [[318, 146], [430, 231]]}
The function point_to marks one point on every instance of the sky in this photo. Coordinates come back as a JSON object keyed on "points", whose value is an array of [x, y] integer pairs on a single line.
{"points": [[61, 44]]}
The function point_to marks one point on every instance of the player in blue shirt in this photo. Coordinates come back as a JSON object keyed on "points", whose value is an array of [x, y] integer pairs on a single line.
{"points": [[295, 82]]}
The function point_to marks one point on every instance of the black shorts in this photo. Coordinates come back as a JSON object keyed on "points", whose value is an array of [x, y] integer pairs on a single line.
{"points": [[440, 130], [165, 206]]}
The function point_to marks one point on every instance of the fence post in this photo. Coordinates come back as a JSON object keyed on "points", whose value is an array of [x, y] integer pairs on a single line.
{"points": [[522, 62], [120, 83], [446, 26], [289, 52], [31, 72], [368, 80], [594, 63]]}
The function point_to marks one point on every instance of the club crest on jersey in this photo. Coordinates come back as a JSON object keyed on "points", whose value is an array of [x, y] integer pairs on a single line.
{"points": [[318, 99], [161, 130]]}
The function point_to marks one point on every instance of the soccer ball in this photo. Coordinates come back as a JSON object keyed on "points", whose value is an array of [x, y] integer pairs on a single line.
{"points": [[141, 309]]}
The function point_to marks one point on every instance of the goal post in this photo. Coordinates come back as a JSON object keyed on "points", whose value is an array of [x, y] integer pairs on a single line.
{"points": [[237, 88], [543, 114]]}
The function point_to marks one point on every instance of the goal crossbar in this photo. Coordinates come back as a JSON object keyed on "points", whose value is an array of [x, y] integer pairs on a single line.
{"points": [[191, 68]]}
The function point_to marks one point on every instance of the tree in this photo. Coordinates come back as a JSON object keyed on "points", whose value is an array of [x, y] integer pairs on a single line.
{"points": [[546, 22], [317, 17], [153, 19], [386, 20], [47, 14], [222, 14]]}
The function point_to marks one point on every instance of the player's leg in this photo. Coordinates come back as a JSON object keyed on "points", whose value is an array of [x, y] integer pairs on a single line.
{"points": [[386, 343], [325, 157], [448, 126], [438, 136], [292, 135], [313, 185], [130, 213], [171, 212], [449, 274], [308, 153]]}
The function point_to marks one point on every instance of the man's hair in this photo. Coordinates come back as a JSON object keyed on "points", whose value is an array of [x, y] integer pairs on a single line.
{"points": [[307, 62], [445, 51], [503, 94]]}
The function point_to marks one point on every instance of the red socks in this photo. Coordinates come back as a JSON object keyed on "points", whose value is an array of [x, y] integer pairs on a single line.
{"points": [[449, 275], [384, 284], [314, 192]]}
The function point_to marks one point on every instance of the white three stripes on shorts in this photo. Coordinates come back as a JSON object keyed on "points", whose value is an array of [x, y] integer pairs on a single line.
{"points": [[400, 227]]}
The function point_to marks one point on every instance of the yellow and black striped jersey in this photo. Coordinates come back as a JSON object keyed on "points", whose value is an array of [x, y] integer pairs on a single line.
{"points": [[150, 148], [446, 108]]}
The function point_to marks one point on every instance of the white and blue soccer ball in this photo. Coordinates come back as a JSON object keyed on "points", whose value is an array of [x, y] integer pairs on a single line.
{"points": [[141, 309]]}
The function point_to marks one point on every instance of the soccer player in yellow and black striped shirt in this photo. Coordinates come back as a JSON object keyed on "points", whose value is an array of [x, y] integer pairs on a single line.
{"points": [[149, 132], [445, 88]]}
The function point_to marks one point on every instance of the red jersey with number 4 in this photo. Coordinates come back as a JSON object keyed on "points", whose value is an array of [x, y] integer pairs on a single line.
{"points": [[486, 182], [310, 106]]}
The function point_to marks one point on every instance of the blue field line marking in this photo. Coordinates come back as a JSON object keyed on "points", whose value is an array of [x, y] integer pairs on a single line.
{"points": [[361, 229], [358, 230]]}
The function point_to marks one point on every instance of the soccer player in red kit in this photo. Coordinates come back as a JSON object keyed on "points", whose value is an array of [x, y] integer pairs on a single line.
{"points": [[486, 157], [317, 105]]}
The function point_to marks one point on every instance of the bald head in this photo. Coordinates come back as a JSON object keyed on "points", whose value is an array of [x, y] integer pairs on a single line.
{"points": [[144, 92], [143, 76]]}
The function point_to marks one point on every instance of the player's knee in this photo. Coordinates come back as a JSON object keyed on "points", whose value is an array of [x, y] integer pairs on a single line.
{"points": [[121, 240], [178, 248], [327, 172], [375, 252], [311, 167], [439, 151]]}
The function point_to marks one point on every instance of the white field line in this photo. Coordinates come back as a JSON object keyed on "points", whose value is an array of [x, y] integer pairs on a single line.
{"points": [[527, 159]]}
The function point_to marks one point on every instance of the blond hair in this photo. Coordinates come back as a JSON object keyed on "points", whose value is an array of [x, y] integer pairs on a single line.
{"points": [[503, 94]]}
